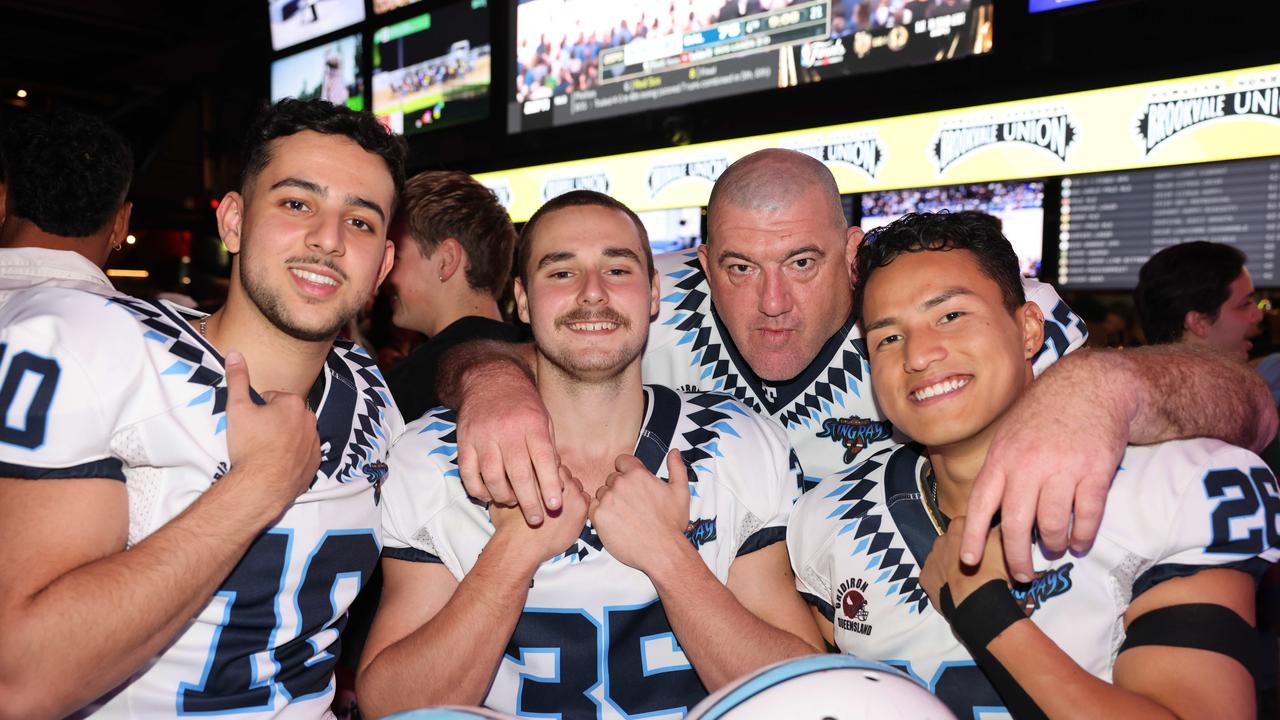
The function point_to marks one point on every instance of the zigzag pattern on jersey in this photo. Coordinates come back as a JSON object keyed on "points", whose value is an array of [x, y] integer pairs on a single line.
{"points": [[692, 316], [895, 563], [367, 435], [189, 358]]}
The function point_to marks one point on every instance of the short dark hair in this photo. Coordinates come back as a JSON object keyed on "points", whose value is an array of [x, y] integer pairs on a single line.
{"points": [[577, 198], [1180, 278], [67, 172], [441, 204], [292, 116], [942, 231]]}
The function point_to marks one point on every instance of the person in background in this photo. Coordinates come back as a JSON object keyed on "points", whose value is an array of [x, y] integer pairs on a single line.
{"points": [[65, 206], [454, 243]]}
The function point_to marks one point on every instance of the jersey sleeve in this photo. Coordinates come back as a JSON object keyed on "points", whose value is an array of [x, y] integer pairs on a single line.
{"points": [[1064, 331], [808, 544], [69, 366], [421, 469], [765, 478], [1226, 515]]}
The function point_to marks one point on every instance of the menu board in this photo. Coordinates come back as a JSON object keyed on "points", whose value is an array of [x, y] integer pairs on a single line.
{"points": [[1112, 223]]}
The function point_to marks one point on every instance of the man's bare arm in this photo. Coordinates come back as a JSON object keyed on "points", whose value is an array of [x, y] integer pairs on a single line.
{"points": [[83, 613], [506, 447], [1056, 451]]}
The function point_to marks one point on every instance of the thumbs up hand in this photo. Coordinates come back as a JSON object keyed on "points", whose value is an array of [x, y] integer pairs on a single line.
{"points": [[638, 516]]}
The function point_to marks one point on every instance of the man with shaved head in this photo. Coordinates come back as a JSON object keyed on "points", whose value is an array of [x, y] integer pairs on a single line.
{"points": [[763, 311]]}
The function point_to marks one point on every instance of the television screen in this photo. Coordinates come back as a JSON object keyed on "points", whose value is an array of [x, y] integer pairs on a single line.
{"points": [[1112, 223], [329, 72], [432, 70], [672, 230], [1018, 205], [577, 60], [295, 21], [1036, 6], [386, 6]]}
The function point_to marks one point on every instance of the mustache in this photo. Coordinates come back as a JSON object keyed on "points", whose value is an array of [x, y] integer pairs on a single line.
{"points": [[601, 315], [316, 260]]}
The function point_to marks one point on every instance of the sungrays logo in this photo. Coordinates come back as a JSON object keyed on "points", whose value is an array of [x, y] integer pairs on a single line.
{"points": [[559, 186], [1052, 132], [376, 473], [864, 152], [701, 531], [1165, 118], [853, 612], [661, 176], [855, 433], [1051, 583]]}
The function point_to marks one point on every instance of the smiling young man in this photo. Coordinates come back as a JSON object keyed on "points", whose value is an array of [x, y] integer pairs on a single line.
{"points": [[679, 583], [173, 542], [1152, 621]]}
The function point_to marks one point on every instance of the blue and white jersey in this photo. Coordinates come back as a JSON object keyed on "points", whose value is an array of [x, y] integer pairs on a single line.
{"points": [[593, 640], [828, 410], [126, 390], [858, 541]]}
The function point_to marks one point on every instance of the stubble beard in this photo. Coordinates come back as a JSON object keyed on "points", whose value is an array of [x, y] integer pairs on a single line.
{"points": [[271, 304]]}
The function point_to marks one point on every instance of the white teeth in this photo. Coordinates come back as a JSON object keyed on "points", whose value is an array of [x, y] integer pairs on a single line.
{"points": [[593, 326], [941, 388], [315, 277]]}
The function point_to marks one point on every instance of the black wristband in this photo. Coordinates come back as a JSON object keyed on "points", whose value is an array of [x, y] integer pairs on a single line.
{"points": [[983, 615]]}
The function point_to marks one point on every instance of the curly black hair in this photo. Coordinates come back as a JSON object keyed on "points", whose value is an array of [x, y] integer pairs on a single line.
{"points": [[292, 116], [976, 232], [67, 172]]}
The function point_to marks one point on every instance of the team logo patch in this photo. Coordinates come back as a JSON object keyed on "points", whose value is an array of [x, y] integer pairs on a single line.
{"points": [[376, 472], [701, 531], [854, 611], [1051, 583], [855, 433]]}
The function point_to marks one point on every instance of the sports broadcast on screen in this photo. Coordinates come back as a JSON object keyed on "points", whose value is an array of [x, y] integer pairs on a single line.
{"points": [[578, 60], [433, 70]]}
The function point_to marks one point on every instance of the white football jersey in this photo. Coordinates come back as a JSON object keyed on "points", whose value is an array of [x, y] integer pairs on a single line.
{"points": [[858, 541], [593, 640], [126, 390], [828, 410]]}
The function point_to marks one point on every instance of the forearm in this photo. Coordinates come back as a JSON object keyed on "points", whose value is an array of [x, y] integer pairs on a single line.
{"points": [[1059, 686], [452, 658], [480, 362], [91, 628], [722, 639], [1171, 392]]}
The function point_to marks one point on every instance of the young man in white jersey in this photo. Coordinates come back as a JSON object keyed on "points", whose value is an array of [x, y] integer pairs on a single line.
{"points": [[680, 581], [174, 541], [1153, 620], [763, 311]]}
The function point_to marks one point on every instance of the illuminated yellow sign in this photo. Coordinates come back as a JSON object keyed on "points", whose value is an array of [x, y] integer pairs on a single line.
{"points": [[1222, 116]]}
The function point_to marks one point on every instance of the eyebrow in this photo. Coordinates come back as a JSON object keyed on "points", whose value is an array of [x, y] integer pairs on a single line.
{"points": [[731, 254], [610, 252], [555, 257], [932, 302], [316, 189]]}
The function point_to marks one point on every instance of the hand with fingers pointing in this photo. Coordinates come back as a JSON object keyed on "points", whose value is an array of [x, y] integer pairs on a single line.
{"points": [[273, 446], [636, 514]]}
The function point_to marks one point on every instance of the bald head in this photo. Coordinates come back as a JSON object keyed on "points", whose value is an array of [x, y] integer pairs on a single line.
{"points": [[773, 180]]}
